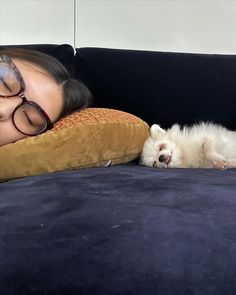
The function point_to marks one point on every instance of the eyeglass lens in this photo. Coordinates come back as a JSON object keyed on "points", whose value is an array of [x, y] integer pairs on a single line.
{"points": [[9, 83], [29, 120], [26, 117]]}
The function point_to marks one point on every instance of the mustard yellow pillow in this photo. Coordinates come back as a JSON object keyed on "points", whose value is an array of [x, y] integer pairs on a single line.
{"points": [[90, 138]]}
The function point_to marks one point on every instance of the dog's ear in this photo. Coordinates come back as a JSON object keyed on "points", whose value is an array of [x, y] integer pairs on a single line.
{"points": [[156, 131]]}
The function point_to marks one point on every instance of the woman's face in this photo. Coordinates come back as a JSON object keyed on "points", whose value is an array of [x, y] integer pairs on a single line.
{"points": [[39, 88]]}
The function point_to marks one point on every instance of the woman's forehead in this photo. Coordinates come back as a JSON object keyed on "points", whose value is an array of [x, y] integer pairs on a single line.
{"points": [[41, 88]]}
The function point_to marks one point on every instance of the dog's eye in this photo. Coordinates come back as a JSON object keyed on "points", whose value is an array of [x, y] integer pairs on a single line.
{"points": [[162, 147], [154, 164]]}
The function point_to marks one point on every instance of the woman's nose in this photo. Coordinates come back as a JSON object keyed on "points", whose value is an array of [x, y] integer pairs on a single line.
{"points": [[7, 107]]}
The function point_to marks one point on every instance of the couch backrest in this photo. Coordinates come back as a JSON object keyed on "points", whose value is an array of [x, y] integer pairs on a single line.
{"points": [[159, 87]]}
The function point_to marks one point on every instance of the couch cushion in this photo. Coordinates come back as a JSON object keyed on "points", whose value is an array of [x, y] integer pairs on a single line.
{"points": [[124, 229], [91, 137]]}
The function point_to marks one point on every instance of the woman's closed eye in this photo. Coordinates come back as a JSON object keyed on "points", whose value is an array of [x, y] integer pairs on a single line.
{"points": [[28, 119]]}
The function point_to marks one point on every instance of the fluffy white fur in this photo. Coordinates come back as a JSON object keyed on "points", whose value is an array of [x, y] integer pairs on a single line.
{"points": [[204, 145]]}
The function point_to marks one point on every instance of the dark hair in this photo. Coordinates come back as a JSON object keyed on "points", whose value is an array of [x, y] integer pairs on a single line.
{"points": [[75, 94]]}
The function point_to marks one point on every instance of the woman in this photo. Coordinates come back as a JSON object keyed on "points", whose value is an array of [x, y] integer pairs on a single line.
{"points": [[35, 91]]}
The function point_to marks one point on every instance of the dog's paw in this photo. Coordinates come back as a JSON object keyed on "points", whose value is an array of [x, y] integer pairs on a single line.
{"points": [[222, 164]]}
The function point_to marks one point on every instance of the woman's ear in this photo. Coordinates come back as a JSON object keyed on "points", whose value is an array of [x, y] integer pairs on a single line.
{"points": [[156, 131]]}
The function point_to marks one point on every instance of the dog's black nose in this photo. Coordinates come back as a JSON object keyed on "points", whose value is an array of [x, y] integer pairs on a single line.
{"points": [[162, 158]]}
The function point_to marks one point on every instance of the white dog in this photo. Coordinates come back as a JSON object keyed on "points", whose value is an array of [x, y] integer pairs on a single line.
{"points": [[204, 145]]}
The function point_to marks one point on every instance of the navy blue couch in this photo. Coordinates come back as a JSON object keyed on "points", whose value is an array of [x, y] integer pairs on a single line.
{"points": [[129, 229]]}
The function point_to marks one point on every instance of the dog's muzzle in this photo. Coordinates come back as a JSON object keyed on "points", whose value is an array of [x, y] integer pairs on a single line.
{"points": [[164, 159]]}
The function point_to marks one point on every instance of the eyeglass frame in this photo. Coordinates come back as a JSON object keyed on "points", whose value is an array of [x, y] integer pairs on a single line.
{"points": [[6, 59]]}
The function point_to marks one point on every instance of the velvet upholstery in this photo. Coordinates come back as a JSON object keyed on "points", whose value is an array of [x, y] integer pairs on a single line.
{"points": [[161, 87], [124, 229], [129, 229]]}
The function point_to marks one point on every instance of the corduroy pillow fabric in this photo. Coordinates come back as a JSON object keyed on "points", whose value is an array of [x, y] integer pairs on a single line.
{"points": [[92, 137]]}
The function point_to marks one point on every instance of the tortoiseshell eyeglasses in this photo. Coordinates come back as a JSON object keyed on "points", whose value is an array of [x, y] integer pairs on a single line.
{"points": [[28, 117]]}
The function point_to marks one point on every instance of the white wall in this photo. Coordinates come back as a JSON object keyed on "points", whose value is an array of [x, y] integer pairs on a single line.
{"points": [[36, 21], [167, 25]]}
